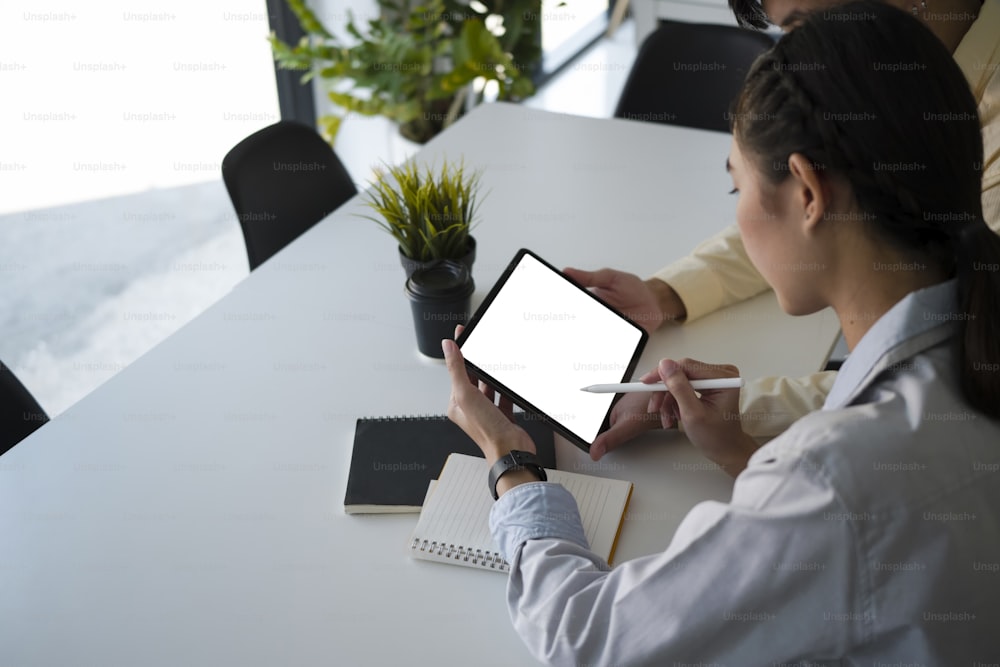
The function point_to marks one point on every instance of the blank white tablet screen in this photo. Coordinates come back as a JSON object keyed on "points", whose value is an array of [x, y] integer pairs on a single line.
{"points": [[544, 338]]}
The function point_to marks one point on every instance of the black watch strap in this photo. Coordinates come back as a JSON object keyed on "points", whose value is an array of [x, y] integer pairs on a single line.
{"points": [[515, 460]]}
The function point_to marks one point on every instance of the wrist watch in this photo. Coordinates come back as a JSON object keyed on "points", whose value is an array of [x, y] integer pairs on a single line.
{"points": [[514, 460]]}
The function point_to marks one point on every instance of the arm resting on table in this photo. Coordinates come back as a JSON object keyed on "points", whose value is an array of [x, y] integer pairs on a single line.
{"points": [[769, 405], [716, 274]]}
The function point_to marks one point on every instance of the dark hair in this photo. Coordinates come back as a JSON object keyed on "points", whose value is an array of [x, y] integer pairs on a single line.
{"points": [[750, 14], [868, 94]]}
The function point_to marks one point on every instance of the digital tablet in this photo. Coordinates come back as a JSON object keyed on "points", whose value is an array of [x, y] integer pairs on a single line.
{"points": [[539, 337]]}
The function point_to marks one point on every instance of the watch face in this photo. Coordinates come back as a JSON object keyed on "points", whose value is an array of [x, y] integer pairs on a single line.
{"points": [[520, 458], [514, 460]]}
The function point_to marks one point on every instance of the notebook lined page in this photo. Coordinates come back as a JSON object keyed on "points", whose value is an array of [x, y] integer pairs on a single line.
{"points": [[454, 523]]}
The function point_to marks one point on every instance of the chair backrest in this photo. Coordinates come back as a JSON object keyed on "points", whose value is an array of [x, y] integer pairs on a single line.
{"points": [[282, 180], [20, 413], [688, 74]]}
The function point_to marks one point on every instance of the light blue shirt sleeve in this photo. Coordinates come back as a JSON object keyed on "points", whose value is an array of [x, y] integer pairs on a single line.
{"points": [[730, 585], [532, 511]]}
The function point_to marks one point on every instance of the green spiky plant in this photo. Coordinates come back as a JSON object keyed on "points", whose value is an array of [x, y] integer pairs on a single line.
{"points": [[416, 63], [428, 211]]}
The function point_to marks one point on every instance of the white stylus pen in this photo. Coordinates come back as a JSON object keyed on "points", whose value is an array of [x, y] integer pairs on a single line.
{"points": [[630, 387]]}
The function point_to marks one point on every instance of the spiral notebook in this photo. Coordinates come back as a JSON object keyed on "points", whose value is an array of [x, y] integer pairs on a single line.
{"points": [[394, 458], [454, 523]]}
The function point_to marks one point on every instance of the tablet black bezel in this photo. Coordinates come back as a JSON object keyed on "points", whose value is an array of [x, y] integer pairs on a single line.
{"points": [[516, 398]]}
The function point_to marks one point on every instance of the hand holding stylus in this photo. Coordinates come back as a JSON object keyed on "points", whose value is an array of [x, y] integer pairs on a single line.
{"points": [[710, 413]]}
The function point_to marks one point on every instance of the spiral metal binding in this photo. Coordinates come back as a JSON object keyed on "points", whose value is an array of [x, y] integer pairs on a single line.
{"points": [[405, 418], [486, 559]]}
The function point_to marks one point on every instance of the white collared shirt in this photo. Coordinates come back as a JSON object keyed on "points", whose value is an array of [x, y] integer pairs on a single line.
{"points": [[867, 534]]}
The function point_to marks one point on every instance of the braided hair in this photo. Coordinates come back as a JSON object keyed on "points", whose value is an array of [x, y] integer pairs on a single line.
{"points": [[867, 94]]}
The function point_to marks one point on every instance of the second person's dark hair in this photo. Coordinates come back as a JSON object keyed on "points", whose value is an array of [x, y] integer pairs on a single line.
{"points": [[750, 14], [867, 93]]}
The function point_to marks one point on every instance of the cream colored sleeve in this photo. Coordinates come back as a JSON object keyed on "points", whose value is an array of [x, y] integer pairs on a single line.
{"points": [[716, 274], [991, 207], [719, 273], [769, 405]]}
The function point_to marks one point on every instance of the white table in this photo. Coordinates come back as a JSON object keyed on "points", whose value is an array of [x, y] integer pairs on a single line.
{"points": [[189, 511]]}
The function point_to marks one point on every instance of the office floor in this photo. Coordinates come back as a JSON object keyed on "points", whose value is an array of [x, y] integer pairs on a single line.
{"points": [[91, 302]]}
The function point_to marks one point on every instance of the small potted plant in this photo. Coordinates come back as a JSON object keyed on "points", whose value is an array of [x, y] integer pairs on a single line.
{"points": [[430, 212]]}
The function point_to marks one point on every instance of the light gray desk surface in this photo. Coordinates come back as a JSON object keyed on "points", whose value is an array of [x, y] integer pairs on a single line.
{"points": [[190, 510]]}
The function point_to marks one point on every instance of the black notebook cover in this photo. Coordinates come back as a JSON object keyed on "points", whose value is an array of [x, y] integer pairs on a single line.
{"points": [[395, 458]]}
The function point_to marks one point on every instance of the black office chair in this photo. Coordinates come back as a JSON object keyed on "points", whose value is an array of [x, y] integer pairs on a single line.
{"points": [[282, 180], [20, 414], [688, 74]]}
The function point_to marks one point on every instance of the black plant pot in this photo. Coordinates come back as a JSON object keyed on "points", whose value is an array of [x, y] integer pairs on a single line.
{"points": [[410, 265], [440, 297]]}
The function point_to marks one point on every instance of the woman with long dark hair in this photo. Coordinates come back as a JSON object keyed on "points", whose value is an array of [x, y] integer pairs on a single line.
{"points": [[869, 532], [719, 273]]}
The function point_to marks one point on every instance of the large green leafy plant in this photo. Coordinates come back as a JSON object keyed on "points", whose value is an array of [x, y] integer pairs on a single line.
{"points": [[428, 214], [416, 62]]}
